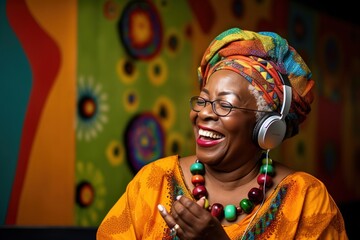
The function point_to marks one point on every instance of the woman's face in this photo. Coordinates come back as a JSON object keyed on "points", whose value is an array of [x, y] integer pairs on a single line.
{"points": [[220, 140]]}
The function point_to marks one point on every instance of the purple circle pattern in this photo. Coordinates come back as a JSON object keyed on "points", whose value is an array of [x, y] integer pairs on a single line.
{"points": [[144, 140], [140, 16]]}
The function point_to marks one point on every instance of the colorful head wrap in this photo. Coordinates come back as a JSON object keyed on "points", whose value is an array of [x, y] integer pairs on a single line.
{"points": [[259, 57]]}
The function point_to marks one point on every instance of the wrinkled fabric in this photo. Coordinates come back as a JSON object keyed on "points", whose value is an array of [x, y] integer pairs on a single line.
{"points": [[259, 55], [299, 208], [259, 73]]}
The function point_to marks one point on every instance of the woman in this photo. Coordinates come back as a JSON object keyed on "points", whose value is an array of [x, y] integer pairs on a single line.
{"points": [[255, 90]]}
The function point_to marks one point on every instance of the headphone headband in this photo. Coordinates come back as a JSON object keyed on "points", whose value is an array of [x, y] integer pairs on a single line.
{"points": [[287, 92]]}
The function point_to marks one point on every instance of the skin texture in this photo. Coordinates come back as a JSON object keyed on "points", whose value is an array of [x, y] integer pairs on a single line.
{"points": [[231, 162]]}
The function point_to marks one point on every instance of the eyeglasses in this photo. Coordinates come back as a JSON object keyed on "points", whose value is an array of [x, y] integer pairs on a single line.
{"points": [[220, 107]]}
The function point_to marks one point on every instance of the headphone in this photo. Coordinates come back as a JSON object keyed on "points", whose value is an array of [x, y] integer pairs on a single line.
{"points": [[270, 130]]}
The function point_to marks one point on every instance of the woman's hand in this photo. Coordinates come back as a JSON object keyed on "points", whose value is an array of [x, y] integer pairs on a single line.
{"points": [[192, 220]]}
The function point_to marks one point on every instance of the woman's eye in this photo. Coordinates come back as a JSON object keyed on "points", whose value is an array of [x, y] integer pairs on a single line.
{"points": [[225, 105], [200, 102]]}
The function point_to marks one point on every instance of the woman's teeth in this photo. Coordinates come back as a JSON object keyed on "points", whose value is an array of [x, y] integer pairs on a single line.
{"points": [[209, 134]]}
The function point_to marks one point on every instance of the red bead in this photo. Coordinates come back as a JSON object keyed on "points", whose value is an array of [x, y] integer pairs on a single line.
{"points": [[198, 180], [199, 192], [268, 180], [239, 210], [255, 195], [217, 210]]}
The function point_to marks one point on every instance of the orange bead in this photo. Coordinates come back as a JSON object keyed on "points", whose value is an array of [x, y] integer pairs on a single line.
{"points": [[198, 180]]}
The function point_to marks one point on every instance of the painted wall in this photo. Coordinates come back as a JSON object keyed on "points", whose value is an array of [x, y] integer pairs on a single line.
{"points": [[93, 90]]}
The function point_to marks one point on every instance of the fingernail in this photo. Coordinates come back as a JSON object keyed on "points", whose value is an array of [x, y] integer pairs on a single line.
{"points": [[161, 208], [178, 197]]}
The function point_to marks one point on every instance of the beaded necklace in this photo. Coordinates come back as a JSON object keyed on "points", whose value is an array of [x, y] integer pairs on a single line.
{"points": [[246, 205]]}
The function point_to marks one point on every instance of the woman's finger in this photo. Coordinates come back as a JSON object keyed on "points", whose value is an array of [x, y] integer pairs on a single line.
{"points": [[166, 216], [201, 202], [195, 208], [186, 212], [170, 221]]}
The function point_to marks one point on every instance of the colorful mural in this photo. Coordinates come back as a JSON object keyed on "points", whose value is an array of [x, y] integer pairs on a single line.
{"points": [[93, 90], [37, 96]]}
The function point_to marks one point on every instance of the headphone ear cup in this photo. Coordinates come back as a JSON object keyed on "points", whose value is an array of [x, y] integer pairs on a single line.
{"points": [[269, 131], [258, 125]]}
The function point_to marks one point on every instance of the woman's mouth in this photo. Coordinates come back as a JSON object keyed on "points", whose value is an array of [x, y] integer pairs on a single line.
{"points": [[209, 134], [208, 138]]}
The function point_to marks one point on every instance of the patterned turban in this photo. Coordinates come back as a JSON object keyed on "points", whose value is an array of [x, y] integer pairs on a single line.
{"points": [[259, 58]]}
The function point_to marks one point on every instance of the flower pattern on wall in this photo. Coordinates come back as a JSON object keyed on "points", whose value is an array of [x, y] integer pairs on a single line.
{"points": [[90, 194], [92, 109]]}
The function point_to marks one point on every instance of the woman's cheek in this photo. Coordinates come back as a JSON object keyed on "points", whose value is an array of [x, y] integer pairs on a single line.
{"points": [[193, 116]]}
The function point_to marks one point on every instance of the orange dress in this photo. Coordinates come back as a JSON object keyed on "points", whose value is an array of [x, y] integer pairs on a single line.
{"points": [[300, 207]]}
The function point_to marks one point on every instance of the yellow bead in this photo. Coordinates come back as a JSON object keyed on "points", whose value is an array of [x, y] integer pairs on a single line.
{"points": [[206, 203], [269, 160]]}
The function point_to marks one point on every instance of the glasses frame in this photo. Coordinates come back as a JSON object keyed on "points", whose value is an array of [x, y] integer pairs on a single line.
{"points": [[194, 99]]}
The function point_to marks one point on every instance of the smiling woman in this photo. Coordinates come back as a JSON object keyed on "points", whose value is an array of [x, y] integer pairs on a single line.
{"points": [[255, 91]]}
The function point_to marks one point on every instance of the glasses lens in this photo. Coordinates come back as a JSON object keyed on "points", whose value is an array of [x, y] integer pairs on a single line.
{"points": [[222, 108], [197, 103]]}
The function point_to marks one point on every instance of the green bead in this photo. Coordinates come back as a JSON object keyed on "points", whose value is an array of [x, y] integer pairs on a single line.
{"points": [[230, 212], [197, 168], [269, 160], [267, 168], [246, 205]]}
